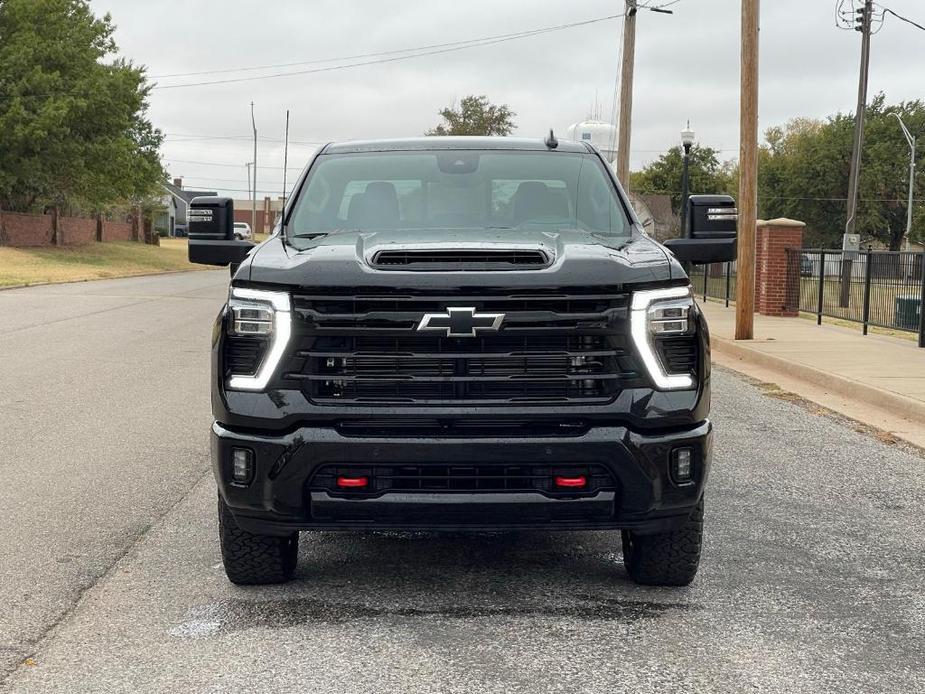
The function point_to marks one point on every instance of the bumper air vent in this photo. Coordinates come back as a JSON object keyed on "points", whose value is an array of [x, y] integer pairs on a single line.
{"points": [[679, 355], [243, 355], [457, 259]]}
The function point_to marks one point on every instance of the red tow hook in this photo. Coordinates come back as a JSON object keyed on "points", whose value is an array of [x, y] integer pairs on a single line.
{"points": [[571, 482], [352, 482]]}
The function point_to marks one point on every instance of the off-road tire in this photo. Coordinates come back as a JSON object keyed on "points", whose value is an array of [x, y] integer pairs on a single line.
{"points": [[251, 559], [665, 559]]}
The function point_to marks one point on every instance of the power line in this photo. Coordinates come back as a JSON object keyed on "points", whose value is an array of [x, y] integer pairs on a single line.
{"points": [[358, 56], [183, 137], [222, 163], [472, 44], [887, 11]]}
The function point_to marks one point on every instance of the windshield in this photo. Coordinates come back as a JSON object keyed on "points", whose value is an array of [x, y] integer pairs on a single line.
{"points": [[458, 189]]}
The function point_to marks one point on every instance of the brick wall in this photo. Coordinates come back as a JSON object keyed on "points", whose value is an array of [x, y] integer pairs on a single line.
{"points": [[31, 230], [771, 272], [76, 230], [117, 231], [25, 230]]}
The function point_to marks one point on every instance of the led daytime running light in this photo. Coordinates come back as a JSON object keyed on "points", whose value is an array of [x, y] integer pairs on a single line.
{"points": [[279, 339], [642, 336]]}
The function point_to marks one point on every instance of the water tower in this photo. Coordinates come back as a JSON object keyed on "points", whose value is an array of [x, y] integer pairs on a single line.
{"points": [[600, 133]]}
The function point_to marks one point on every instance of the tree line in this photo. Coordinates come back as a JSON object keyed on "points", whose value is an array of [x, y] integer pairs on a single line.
{"points": [[803, 171]]}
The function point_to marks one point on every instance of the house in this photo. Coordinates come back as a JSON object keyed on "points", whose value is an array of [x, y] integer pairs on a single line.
{"points": [[176, 201]]}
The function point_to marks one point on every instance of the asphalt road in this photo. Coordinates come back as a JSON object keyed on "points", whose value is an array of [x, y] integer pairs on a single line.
{"points": [[104, 413], [813, 576]]}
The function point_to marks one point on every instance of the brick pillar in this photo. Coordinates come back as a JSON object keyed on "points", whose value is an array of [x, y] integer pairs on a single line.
{"points": [[771, 271]]}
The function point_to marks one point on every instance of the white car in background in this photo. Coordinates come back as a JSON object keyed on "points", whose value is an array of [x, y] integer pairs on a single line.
{"points": [[242, 231]]}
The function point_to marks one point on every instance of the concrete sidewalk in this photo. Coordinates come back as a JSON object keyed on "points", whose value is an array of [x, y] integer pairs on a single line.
{"points": [[878, 380]]}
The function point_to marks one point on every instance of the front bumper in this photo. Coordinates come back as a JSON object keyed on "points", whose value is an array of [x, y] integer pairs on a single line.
{"points": [[278, 499]]}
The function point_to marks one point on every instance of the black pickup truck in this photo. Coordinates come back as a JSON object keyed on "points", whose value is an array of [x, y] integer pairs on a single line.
{"points": [[461, 334]]}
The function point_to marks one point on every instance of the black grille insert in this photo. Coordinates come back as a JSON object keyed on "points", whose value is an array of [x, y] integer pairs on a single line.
{"points": [[460, 259], [551, 348], [437, 478]]}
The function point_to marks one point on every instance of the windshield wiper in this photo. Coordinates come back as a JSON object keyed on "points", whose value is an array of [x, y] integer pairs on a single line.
{"points": [[319, 234]]}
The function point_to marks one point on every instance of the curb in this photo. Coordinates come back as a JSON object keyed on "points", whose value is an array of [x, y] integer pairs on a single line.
{"points": [[877, 397]]}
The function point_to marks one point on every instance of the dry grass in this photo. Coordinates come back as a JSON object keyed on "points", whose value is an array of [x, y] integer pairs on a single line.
{"points": [[91, 262]]}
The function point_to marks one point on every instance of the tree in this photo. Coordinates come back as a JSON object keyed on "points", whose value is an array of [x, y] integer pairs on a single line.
{"points": [[664, 175], [73, 117], [804, 168], [475, 116]]}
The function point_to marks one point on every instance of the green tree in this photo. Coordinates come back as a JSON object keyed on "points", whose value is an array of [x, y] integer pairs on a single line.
{"points": [[804, 169], [475, 115], [73, 117], [664, 175]]}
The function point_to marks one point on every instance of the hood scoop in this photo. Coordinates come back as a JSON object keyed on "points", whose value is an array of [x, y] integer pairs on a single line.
{"points": [[461, 259]]}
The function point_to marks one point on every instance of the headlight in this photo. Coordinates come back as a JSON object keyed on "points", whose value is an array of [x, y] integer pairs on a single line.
{"points": [[257, 313], [661, 313]]}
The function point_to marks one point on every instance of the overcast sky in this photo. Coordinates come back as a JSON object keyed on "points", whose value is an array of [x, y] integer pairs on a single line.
{"points": [[687, 66]]}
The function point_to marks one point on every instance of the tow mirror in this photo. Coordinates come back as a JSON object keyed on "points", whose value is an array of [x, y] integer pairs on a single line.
{"points": [[211, 232], [710, 236]]}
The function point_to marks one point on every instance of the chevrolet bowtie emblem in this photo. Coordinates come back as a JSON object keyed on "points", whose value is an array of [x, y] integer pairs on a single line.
{"points": [[461, 322]]}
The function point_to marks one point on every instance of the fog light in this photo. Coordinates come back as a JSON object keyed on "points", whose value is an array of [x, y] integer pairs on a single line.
{"points": [[242, 465], [682, 467]]}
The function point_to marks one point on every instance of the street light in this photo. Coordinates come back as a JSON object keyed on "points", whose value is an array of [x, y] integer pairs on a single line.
{"points": [[910, 138], [687, 140]]}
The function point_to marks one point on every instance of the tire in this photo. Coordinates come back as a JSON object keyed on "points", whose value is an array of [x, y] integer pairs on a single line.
{"points": [[665, 559], [251, 559]]}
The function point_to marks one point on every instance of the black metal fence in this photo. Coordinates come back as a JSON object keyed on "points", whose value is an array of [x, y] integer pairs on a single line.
{"points": [[880, 288], [716, 281]]}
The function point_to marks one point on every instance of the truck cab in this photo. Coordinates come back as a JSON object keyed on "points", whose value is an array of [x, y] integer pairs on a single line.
{"points": [[461, 334]]}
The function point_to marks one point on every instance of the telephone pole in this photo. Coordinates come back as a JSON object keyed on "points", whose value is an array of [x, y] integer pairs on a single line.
{"points": [[626, 88], [250, 190], [626, 94], [863, 25], [748, 173], [254, 198]]}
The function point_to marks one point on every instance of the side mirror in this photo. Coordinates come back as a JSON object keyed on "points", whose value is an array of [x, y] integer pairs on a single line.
{"points": [[712, 226], [211, 232]]}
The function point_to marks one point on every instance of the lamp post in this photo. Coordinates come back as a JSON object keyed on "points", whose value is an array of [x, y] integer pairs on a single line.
{"points": [[687, 140], [910, 138]]}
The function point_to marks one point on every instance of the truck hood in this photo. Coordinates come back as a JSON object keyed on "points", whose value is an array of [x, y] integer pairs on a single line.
{"points": [[575, 259]]}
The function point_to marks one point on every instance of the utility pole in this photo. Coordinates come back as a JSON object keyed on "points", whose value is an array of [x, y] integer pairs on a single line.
{"points": [[626, 88], [254, 197], [626, 94], [910, 138], [863, 25], [285, 171], [250, 190], [748, 173]]}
